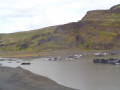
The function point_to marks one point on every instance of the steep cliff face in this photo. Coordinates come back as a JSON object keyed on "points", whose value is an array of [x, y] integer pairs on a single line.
{"points": [[99, 29]]}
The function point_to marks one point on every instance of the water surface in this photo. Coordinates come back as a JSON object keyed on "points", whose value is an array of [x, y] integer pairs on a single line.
{"points": [[81, 74]]}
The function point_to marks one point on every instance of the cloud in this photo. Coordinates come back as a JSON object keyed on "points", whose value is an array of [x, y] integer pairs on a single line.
{"points": [[25, 15]]}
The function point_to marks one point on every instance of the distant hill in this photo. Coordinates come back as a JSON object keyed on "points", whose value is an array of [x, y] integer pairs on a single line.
{"points": [[98, 30]]}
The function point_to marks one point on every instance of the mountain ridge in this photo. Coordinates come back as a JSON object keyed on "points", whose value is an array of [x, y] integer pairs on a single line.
{"points": [[98, 30]]}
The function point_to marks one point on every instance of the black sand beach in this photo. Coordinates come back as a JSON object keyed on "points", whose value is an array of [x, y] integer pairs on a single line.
{"points": [[20, 79]]}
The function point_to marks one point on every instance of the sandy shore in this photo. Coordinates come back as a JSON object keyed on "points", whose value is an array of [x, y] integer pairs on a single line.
{"points": [[20, 79]]}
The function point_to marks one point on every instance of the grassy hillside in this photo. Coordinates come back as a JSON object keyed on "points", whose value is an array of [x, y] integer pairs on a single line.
{"points": [[36, 40], [24, 40], [99, 29]]}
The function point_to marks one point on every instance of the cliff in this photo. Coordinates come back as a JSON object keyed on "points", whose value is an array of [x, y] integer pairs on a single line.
{"points": [[99, 29]]}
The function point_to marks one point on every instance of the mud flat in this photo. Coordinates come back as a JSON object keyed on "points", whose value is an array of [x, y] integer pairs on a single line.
{"points": [[20, 79]]}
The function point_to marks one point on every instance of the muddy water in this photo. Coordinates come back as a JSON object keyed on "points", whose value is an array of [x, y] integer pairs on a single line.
{"points": [[81, 74]]}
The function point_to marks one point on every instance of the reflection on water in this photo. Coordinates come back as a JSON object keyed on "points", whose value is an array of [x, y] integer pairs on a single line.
{"points": [[81, 74]]}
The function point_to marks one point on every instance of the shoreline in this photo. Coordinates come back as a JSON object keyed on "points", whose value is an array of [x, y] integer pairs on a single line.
{"points": [[32, 55]]}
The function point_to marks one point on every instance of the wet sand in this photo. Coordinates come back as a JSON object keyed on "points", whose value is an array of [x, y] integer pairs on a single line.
{"points": [[20, 79]]}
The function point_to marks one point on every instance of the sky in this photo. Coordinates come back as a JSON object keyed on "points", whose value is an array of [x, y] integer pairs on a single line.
{"points": [[24, 15]]}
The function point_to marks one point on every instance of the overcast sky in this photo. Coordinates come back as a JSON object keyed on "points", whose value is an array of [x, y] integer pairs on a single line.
{"points": [[22, 15]]}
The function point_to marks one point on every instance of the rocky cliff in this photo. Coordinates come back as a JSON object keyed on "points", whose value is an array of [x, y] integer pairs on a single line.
{"points": [[99, 29]]}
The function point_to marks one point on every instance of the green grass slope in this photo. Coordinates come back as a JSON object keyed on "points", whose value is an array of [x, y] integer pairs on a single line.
{"points": [[35, 40]]}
